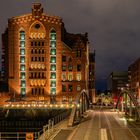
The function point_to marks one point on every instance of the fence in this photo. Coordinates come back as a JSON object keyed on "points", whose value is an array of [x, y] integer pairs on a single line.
{"points": [[46, 131]]}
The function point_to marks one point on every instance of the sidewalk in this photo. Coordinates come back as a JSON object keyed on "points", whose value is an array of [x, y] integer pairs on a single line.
{"points": [[60, 130], [78, 132]]}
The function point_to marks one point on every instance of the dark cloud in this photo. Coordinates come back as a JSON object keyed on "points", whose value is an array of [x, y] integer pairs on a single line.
{"points": [[113, 27]]}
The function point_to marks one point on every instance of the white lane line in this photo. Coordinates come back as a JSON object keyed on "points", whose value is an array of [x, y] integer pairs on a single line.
{"points": [[109, 126], [87, 135], [103, 134]]}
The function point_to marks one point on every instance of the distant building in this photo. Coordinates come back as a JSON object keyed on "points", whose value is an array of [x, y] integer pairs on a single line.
{"points": [[134, 77], [117, 81], [42, 61]]}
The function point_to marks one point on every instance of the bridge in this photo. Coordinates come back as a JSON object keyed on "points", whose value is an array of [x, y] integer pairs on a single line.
{"points": [[96, 124], [133, 102]]}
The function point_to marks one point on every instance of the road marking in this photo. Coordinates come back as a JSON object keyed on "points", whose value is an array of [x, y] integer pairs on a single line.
{"points": [[108, 122], [87, 135], [103, 134]]}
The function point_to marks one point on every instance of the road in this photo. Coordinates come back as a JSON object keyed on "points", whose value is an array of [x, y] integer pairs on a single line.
{"points": [[103, 124]]}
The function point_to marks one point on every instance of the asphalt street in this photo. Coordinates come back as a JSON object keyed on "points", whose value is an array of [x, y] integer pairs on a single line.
{"points": [[103, 124]]}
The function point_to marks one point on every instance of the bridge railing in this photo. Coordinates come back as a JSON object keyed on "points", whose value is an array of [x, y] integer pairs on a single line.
{"points": [[132, 98], [50, 128], [16, 135], [46, 131]]}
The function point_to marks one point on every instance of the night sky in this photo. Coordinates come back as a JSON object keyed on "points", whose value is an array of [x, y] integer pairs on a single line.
{"points": [[113, 27]]}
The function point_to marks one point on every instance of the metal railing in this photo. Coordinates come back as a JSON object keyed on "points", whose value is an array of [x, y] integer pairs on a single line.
{"points": [[16, 136], [50, 129], [47, 131]]}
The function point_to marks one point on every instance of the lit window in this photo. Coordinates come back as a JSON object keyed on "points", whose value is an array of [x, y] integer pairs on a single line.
{"points": [[43, 66], [53, 36], [39, 66], [53, 75], [22, 67], [70, 77], [22, 36], [78, 76], [78, 88], [22, 83], [53, 59], [53, 51], [39, 82], [22, 59], [42, 82], [63, 77], [53, 90], [53, 44], [63, 88], [53, 83], [22, 44], [22, 75], [22, 51], [23, 91], [70, 88], [53, 67]]}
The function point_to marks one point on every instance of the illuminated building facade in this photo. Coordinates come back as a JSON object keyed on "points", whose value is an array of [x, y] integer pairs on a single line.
{"points": [[43, 60], [134, 78]]}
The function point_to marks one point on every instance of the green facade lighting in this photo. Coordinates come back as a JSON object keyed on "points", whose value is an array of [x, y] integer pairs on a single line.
{"points": [[53, 62], [22, 64]]}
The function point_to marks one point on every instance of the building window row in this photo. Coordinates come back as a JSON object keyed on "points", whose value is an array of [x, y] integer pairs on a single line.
{"points": [[69, 77], [37, 43], [37, 75], [69, 88], [37, 66], [37, 51], [70, 67], [64, 58], [37, 91], [37, 59], [37, 82], [35, 35]]}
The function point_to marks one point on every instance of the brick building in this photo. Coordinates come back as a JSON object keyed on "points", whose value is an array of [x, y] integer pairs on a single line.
{"points": [[41, 60], [134, 78]]}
